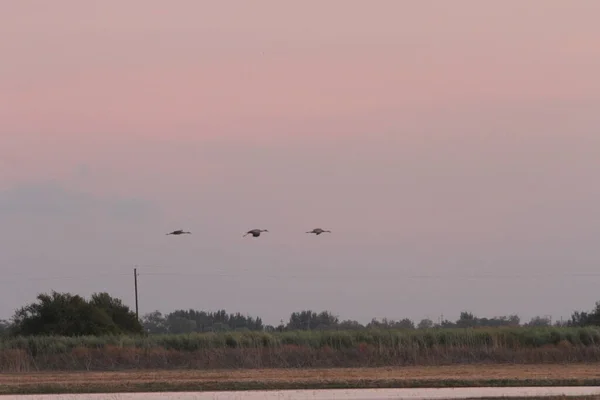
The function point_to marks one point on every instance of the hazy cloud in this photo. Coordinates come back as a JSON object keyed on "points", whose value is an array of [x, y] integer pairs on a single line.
{"points": [[433, 142], [53, 199]]}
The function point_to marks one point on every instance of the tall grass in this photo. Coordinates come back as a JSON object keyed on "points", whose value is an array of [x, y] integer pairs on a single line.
{"points": [[298, 349]]}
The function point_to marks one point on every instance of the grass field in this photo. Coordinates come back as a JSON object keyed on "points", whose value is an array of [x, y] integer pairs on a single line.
{"points": [[585, 397], [302, 349], [263, 379]]}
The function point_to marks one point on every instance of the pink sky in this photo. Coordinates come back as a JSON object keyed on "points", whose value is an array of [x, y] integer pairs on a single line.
{"points": [[436, 125]]}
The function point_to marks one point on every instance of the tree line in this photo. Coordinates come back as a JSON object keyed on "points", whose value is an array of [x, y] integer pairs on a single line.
{"points": [[65, 314], [72, 315]]}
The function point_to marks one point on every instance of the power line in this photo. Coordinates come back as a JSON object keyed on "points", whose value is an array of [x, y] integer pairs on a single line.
{"points": [[63, 277], [342, 275]]}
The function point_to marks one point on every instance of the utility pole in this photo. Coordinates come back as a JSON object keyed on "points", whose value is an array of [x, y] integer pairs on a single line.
{"points": [[135, 275]]}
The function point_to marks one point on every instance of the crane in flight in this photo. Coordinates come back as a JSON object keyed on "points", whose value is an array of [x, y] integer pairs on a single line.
{"points": [[179, 232], [255, 232], [318, 231]]}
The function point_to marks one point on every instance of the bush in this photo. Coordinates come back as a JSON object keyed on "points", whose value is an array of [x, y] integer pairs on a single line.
{"points": [[297, 349]]}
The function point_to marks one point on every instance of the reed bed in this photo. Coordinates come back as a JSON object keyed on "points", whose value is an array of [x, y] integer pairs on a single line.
{"points": [[302, 349]]}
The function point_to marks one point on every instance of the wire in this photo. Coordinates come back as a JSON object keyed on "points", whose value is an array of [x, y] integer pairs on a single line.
{"points": [[345, 276], [338, 276], [48, 278]]}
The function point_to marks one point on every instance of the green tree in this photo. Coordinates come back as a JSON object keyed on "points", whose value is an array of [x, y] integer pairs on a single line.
{"points": [[511, 320], [425, 323], [211, 321], [385, 323], [539, 322], [405, 323], [119, 313], [467, 320], [4, 327], [155, 322], [445, 324], [307, 319], [65, 314], [582, 318], [350, 325], [179, 324]]}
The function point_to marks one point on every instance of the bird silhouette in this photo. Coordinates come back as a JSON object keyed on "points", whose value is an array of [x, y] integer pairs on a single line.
{"points": [[179, 232], [255, 232], [318, 231]]}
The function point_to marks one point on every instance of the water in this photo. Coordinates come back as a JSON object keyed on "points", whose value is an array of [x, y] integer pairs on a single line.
{"points": [[333, 394]]}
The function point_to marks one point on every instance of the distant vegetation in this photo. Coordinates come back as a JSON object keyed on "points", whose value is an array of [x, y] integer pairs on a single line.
{"points": [[302, 349], [61, 331], [188, 321], [64, 314]]}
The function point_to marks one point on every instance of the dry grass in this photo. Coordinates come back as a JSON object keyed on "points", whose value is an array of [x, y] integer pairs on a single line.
{"points": [[302, 349], [301, 360], [114, 358], [563, 397], [474, 372]]}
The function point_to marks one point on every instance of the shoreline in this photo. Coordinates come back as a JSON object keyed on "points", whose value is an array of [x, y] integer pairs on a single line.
{"points": [[514, 393], [453, 376]]}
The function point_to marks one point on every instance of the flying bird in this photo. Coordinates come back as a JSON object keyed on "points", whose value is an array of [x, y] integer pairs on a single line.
{"points": [[318, 231], [179, 232], [255, 232]]}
